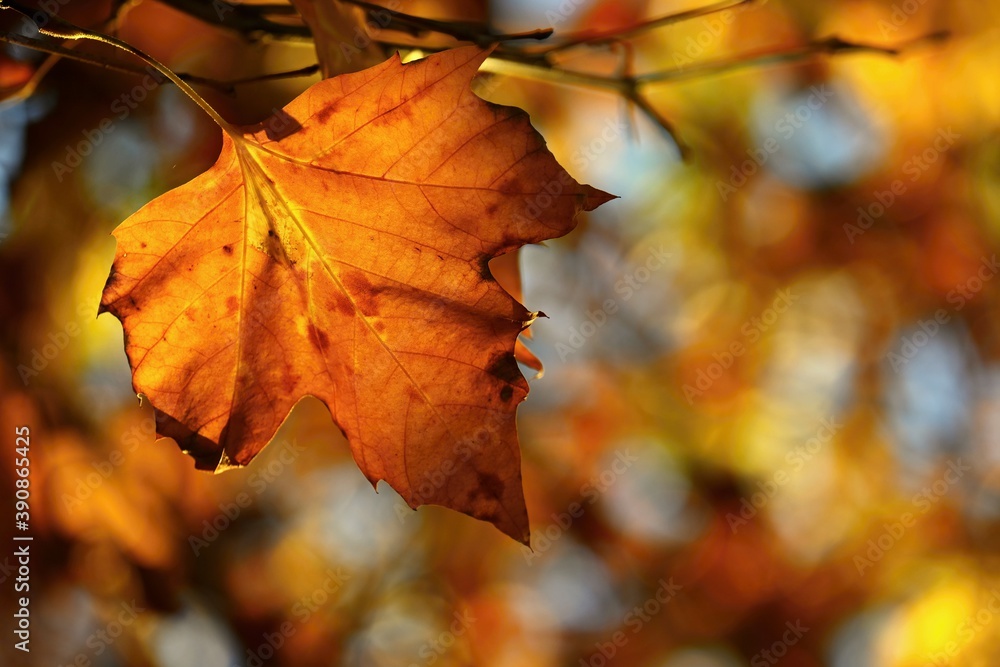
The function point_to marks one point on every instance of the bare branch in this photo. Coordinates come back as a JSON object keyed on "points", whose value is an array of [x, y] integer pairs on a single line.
{"points": [[828, 46], [124, 68], [590, 38], [509, 58], [249, 19]]}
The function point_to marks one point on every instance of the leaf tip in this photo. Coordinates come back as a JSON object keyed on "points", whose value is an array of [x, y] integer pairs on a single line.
{"points": [[226, 463], [594, 197]]}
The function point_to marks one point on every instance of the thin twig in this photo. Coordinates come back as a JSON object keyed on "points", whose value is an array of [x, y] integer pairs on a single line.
{"points": [[590, 38], [508, 59], [243, 17], [228, 87], [639, 100], [468, 31], [828, 46], [60, 29]]}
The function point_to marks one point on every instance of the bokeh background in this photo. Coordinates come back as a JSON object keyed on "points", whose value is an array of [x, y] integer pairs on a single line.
{"points": [[769, 426]]}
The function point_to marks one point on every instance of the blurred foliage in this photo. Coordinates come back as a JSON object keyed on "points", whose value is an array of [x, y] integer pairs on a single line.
{"points": [[765, 433]]}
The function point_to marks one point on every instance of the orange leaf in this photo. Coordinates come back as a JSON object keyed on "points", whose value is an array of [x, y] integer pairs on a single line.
{"points": [[347, 260]]}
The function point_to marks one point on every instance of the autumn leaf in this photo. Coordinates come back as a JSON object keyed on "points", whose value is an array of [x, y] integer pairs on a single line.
{"points": [[340, 250]]}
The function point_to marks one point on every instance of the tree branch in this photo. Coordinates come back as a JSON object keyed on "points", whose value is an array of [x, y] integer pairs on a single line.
{"points": [[509, 58], [591, 38], [829, 46], [249, 19], [228, 87]]}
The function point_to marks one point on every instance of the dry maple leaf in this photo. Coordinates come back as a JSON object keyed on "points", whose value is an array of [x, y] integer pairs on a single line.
{"points": [[348, 260]]}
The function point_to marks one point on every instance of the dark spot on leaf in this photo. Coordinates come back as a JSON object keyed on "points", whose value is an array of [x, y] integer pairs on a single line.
{"points": [[228, 249], [271, 233], [318, 338], [365, 294], [506, 393], [340, 304], [484, 269], [491, 209], [112, 278], [232, 303], [504, 368], [491, 485], [324, 114], [508, 186], [143, 244]]}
